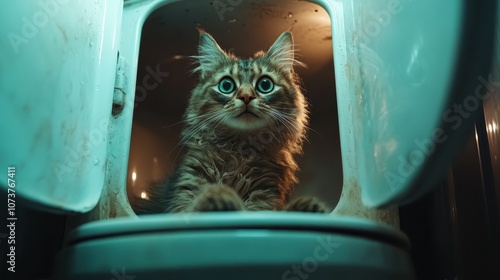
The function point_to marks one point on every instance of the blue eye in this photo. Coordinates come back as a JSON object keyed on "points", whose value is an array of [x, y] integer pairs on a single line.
{"points": [[226, 85], [265, 85]]}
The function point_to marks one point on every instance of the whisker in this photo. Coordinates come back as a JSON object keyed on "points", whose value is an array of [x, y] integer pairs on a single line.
{"points": [[288, 122], [190, 132], [291, 117], [283, 122], [274, 127], [192, 118]]}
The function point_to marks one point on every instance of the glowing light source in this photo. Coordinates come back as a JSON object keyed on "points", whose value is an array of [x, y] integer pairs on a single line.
{"points": [[144, 195], [134, 176], [492, 127]]}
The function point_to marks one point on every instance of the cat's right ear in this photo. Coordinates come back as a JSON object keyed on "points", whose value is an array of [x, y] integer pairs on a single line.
{"points": [[209, 55]]}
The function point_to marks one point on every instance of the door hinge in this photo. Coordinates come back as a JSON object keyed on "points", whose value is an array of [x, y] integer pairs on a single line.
{"points": [[119, 93]]}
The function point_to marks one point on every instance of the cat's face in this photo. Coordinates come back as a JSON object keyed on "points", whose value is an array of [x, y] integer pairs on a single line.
{"points": [[247, 94]]}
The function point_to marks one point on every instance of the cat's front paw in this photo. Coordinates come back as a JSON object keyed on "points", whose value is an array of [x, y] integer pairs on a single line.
{"points": [[217, 198], [306, 204]]}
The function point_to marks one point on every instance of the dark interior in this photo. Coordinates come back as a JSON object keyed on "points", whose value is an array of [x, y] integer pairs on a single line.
{"points": [[170, 37]]}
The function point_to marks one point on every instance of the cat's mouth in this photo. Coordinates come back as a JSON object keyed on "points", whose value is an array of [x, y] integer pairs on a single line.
{"points": [[247, 115], [246, 120]]}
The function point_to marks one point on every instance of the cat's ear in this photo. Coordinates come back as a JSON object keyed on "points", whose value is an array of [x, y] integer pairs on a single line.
{"points": [[209, 53], [282, 52]]}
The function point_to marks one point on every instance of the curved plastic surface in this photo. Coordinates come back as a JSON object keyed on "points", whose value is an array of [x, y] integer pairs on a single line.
{"points": [[411, 76], [235, 246], [57, 69]]}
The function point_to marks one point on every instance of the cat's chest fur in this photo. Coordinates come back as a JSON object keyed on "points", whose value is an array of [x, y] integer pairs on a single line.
{"points": [[243, 172]]}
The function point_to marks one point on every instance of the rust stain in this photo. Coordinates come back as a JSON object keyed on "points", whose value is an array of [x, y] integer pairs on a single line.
{"points": [[26, 109], [350, 204], [268, 9], [65, 37], [43, 137]]}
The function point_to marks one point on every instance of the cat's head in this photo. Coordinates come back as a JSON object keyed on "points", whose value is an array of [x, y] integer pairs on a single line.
{"points": [[248, 94]]}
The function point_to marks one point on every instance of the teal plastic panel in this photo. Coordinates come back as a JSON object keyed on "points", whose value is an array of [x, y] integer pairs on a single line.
{"points": [[57, 69], [266, 245], [410, 76]]}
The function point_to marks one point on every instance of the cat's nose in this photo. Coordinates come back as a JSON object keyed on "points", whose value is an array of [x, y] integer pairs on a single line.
{"points": [[246, 97]]}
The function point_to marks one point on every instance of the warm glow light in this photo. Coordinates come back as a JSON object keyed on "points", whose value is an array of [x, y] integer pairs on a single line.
{"points": [[134, 176], [144, 195], [492, 127]]}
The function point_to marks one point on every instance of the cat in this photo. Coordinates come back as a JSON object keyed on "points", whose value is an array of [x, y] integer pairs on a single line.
{"points": [[245, 122]]}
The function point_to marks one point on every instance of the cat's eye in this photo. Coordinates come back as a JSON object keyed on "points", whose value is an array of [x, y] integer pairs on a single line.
{"points": [[265, 85], [226, 85]]}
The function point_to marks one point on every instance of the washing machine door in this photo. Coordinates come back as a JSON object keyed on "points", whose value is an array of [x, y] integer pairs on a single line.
{"points": [[57, 72], [417, 72]]}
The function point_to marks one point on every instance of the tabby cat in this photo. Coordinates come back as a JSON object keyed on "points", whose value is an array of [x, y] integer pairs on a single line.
{"points": [[246, 120]]}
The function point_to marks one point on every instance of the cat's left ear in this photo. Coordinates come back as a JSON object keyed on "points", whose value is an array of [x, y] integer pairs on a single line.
{"points": [[210, 53], [282, 52]]}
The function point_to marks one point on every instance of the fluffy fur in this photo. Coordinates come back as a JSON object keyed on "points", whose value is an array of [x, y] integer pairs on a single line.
{"points": [[240, 146]]}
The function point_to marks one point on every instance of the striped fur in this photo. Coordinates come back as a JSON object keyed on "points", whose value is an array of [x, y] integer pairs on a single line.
{"points": [[234, 162]]}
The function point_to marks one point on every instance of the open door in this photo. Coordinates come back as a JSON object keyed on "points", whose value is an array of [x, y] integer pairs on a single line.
{"points": [[416, 73], [57, 73]]}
